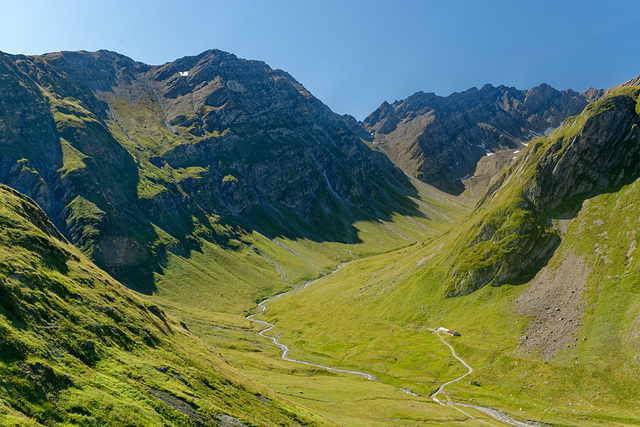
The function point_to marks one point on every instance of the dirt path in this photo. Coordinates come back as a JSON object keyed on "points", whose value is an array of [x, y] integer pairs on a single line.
{"points": [[494, 413], [453, 353], [434, 396]]}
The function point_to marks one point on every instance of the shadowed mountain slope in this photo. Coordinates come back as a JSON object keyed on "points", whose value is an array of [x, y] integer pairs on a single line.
{"points": [[78, 348], [441, 139]]}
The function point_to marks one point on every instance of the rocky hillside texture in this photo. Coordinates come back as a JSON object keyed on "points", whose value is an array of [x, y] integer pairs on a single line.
{"points": [[514, 229], [441, 139], [633, 82], [78, 348], [132, 161]]}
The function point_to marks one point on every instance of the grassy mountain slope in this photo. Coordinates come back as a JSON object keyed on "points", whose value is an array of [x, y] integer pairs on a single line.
{"points": [[554, 337], [146, 170], [78, 348]]}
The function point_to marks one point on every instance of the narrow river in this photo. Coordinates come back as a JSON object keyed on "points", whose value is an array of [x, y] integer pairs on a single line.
{"points": [[494, 413]]}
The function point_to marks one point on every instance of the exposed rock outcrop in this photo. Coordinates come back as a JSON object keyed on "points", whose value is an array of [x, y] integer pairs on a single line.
{"points": [[441, 139], [131, 160]]}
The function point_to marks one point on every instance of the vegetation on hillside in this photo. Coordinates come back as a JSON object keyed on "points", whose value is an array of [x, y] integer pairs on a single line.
{"points": [[556, 343], [210, 193], [78, 348]]}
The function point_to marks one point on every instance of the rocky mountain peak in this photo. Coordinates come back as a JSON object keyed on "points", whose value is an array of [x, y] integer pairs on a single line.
{"points": [[632, 82], [441, 139], [207, 136]]}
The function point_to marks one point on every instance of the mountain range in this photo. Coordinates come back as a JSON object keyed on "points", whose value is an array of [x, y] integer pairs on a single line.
{"points": [[131, 161], [441, 139], [210, 183]]}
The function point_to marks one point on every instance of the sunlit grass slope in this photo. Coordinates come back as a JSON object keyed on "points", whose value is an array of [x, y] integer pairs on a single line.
{"points": [[376, 314], [211, 303], [78, 348]]}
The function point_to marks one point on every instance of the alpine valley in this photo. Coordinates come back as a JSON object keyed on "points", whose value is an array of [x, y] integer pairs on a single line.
{"points": [[156, 219]]}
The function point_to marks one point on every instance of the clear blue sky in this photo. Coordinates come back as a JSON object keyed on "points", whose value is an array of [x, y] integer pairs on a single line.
{"points": [[354, 55]]}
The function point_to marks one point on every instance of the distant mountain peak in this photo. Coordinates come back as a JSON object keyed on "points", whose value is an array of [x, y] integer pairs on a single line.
{"points": [[441, 139]]}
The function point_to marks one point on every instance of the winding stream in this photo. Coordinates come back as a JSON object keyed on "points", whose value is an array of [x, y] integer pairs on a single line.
{"points": [[285, 349], [494, 413]]}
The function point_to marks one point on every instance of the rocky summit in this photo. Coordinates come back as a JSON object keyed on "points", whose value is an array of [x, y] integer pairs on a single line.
{"points": [[441, 139], [131, 161]]}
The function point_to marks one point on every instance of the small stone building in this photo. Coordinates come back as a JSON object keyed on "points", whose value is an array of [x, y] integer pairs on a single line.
{"points": [[448, 331]]}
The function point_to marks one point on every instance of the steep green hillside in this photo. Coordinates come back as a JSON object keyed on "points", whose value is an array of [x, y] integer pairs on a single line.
{"points": [[145, 168], [554, 338], [78, 348]]}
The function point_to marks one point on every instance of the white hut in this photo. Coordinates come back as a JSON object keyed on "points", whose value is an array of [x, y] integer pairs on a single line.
{"points": [[451, 332]]}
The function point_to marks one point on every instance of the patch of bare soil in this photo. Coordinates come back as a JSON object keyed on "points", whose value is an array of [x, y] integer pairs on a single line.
{"points": [[227, 421], [554, 304], [222, 420]]}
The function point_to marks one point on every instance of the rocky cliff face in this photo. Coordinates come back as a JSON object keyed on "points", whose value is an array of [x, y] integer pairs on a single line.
{"points": [[441, 139], [131, 160], [513, 233]]}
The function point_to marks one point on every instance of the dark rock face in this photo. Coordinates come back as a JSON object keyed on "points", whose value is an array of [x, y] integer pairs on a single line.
{"points": [[594, 153], [605, 154], [441, 139], [114, 150]]}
